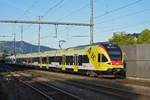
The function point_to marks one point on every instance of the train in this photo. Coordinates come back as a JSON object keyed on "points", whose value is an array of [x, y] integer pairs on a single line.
{"points": [[98, 59]]}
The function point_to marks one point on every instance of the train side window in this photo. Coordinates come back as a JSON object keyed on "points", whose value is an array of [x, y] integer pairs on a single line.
{"points": [[71, 60], [50, 60], [53, 59], [33, 60], [44, 60], [29, 61], [38, 59], [104, 59], [57, 58], [67, 60], [99, 57], [60, 60], [85, 59], [80, 60]]}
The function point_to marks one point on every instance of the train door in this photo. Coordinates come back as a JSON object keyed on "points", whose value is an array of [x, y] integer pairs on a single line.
{"points": [[40, 62], [63, 63], [75, 60], [99, 60], [26, 62], [47, 62], [31, 61]]}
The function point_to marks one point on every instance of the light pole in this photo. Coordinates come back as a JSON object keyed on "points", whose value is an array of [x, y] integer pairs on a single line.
{"points": [[91, 22], [39, 34]]}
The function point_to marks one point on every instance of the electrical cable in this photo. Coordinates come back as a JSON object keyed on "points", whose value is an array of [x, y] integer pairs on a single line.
{"points": [[127, 26], [117, 9], [77, 10], [51, 8], [124, 16]]}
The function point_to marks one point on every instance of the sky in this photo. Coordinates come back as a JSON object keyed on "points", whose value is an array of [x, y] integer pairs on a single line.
{"points": [[130, 16]]}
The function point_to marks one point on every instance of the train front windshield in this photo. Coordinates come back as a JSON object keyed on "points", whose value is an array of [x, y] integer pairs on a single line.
{"points": [[114, 52]]}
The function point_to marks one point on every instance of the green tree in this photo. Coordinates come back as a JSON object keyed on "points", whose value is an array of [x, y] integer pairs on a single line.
{"points": [[123, 39], [144, 37]]}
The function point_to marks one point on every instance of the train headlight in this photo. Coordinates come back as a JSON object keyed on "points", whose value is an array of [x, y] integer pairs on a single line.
{"points": [[110, 63]]}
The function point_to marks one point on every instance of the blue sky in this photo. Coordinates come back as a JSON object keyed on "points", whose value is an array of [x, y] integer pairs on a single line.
{"points": [[131, 16]]}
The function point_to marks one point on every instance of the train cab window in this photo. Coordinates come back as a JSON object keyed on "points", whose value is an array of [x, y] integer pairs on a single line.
{"points": [[104, 59], [80, 60], [85, 59]]}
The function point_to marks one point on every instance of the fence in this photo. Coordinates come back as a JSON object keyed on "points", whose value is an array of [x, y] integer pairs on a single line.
{"points": [[138, 60]]}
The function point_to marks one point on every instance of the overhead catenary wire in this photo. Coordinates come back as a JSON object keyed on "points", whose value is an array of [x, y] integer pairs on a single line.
{"points": [[71, 13], [117, 9], [75, 11], [27, 10], [51, 8], [126, 26], [124, 16]]}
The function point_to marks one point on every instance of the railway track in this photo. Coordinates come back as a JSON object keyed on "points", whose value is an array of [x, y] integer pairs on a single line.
{"points": [[50, 92], [99, 88], [111, 91]]}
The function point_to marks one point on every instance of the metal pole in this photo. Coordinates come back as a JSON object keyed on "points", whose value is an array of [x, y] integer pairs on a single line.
{"points": [[21, 47], [14, 44], [91, 22], [39, 34], [56, 30], [22, 33]]}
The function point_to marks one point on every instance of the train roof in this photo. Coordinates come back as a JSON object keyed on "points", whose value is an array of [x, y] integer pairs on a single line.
{"points": [[94, 44], [80, 47]]}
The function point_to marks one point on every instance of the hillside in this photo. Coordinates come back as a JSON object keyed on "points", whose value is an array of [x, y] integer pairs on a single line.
{"points": [[26, 47]]}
